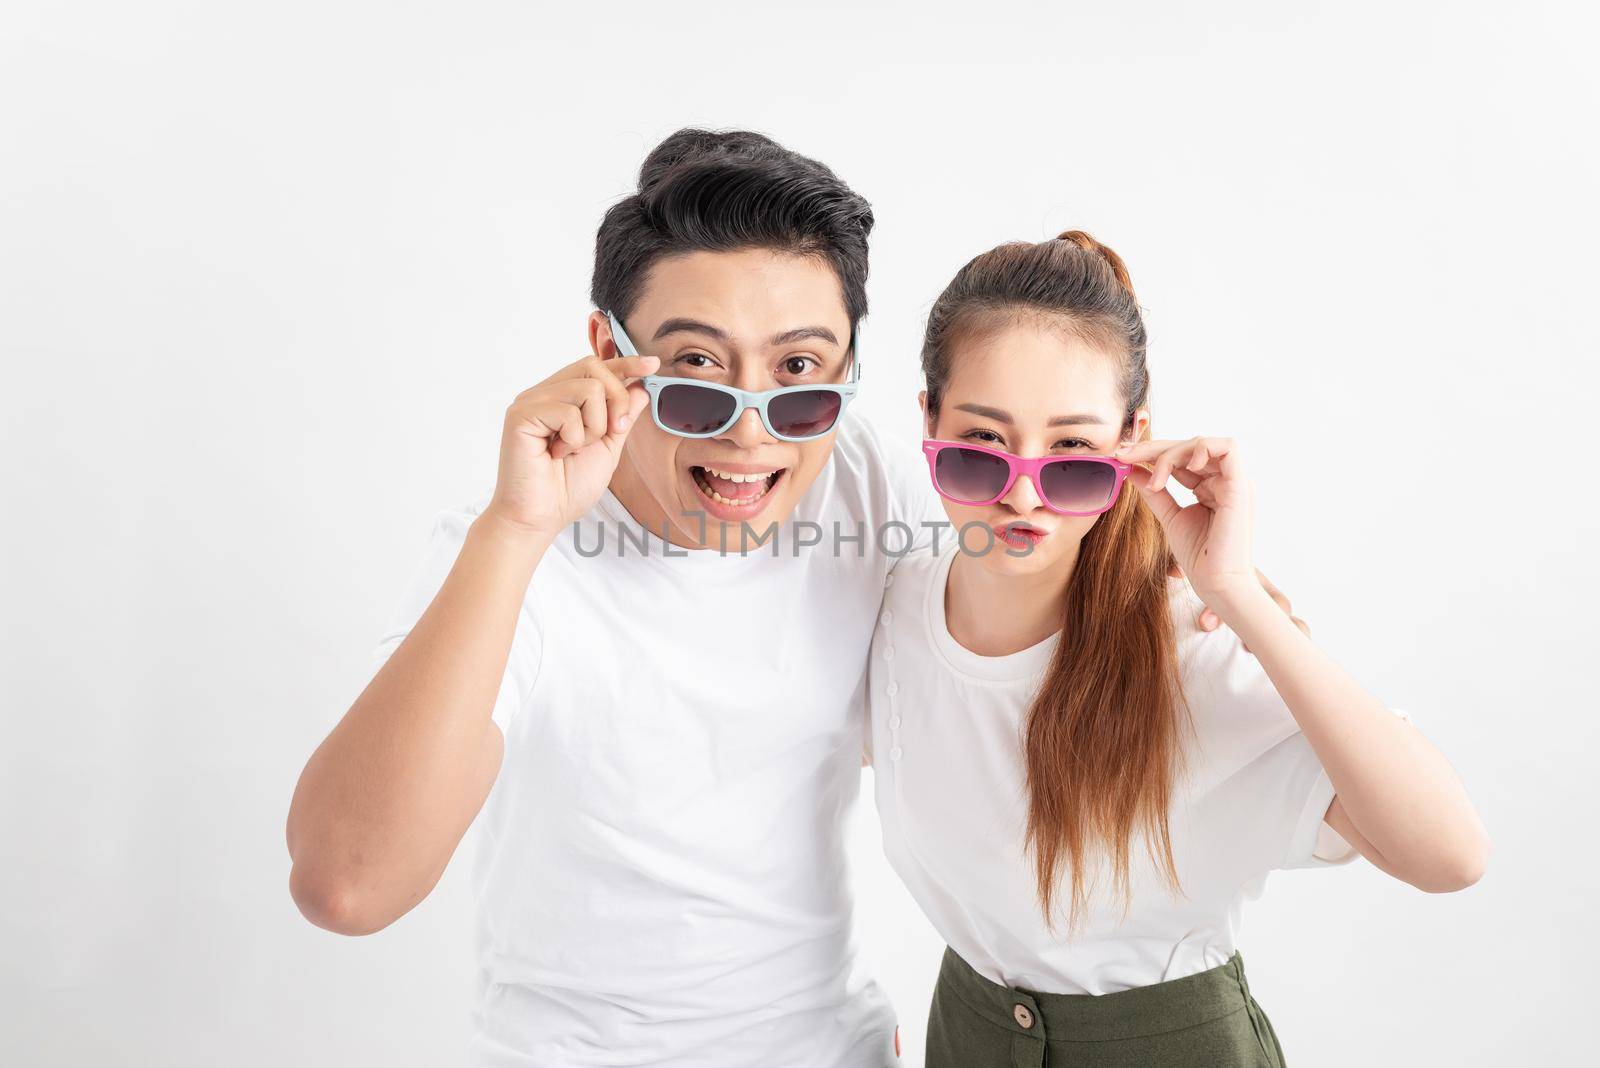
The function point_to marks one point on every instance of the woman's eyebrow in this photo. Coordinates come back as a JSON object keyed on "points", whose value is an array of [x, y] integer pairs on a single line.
{"points": [[1000, 415]]}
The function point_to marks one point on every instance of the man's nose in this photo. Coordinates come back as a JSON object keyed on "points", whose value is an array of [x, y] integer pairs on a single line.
{"points": [[748, 431]]}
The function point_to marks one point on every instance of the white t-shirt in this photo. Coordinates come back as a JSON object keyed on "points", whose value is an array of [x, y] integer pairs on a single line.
{"points": [[946, 738], [661, 871]]}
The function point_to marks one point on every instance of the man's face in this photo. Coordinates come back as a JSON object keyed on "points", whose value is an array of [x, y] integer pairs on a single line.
{"points": [[753, 319]]}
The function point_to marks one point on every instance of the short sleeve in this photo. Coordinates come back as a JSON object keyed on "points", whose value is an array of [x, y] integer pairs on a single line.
{"points": [[444, 546]]}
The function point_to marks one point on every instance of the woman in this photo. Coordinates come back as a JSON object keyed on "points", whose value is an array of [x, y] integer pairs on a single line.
{"points": [[1079, 786]]}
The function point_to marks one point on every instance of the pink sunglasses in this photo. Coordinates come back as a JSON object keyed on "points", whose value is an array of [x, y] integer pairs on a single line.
{"points": [[1068, 485]]}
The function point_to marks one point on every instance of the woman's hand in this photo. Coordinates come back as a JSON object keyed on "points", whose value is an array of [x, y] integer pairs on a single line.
{"points": [[1210, 538], [563, 439]]}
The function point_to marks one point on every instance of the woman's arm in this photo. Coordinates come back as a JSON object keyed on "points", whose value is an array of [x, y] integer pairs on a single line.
{"points": [[1397, 801]]}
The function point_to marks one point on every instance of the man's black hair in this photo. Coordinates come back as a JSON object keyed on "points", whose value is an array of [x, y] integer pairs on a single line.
{"points": [[701, 190]]}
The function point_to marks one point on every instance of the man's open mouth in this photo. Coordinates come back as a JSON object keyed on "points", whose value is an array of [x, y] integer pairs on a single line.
{"points": [[735, 489]]}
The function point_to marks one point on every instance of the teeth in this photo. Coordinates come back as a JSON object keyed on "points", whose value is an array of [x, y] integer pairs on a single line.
{"points": [[732, 476], [714, 495]]}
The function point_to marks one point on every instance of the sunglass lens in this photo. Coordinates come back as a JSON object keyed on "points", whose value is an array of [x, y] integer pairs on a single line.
{"points": [[969, 475], [691, 409], [804, 414], [1078, 485]]}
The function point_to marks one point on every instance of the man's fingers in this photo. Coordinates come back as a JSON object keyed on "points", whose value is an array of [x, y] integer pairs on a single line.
{"points": [[627, 367], [619, 376], [571, 427], [596, 413], [638, 401], [623, 367]]}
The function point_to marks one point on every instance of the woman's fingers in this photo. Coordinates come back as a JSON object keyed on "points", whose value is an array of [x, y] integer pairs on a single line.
{"points": [[1164, 464], [1281, 599], [1161, 456], [1161, 503], [1190, 461]]}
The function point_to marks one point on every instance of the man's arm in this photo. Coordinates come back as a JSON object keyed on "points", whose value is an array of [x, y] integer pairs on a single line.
{"points": [[383, 802], [386, 798]]}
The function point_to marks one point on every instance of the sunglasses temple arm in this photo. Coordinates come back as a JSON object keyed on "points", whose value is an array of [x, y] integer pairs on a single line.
{"points": [[620, 336]]}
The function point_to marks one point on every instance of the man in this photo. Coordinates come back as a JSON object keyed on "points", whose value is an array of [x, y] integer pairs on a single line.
{"points": [[642, 655]]}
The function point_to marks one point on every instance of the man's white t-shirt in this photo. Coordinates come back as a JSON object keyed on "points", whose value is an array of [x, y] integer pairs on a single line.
{"points": [[946, 742], [661, 869]]}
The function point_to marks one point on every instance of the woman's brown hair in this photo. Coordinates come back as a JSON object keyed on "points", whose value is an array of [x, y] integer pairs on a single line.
{"points": [[1102, 740]]}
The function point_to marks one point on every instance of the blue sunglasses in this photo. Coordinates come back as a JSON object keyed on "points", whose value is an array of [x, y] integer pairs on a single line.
{"points": [[692, 409]]}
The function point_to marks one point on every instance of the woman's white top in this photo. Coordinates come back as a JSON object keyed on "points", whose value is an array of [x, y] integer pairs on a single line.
{"points": [[946, 750]]}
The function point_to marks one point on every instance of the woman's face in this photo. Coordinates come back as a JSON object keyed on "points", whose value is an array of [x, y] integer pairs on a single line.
{"points": [[1030, 388]]}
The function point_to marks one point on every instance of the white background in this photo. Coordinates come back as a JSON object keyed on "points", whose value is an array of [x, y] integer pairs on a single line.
{"points": [[269, 275]]}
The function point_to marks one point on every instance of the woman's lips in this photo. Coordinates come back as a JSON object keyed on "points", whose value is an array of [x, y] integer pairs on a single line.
{"points": [[1020, 537]]}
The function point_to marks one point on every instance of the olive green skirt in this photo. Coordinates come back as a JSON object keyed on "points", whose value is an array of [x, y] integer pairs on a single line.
{"points": [[1208, 1019]]}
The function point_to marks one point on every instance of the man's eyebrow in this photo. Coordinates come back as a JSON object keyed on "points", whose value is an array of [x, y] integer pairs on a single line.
{"points": [[682, 325], [999, 415], [804, 333], [690, 326]]}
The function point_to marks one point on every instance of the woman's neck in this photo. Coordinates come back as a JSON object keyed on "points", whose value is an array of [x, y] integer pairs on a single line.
{"points": [[994, 614]]}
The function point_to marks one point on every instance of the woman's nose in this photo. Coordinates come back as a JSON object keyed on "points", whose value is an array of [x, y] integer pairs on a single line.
{"points": [[1023, 497]]}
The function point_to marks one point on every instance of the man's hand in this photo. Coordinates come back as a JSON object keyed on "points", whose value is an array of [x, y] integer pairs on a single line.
{"points": [[1209, 620]]}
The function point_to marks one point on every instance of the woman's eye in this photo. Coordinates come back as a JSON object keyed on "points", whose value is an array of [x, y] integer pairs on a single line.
{"points": [[988, 437], [1074, 443]]}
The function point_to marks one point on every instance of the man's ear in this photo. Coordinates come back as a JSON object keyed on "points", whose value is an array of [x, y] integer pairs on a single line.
{"points": [[600, 342]]}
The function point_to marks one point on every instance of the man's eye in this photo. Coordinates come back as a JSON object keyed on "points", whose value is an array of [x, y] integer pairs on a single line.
{"points": [[797, 365], [689, 358]]}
